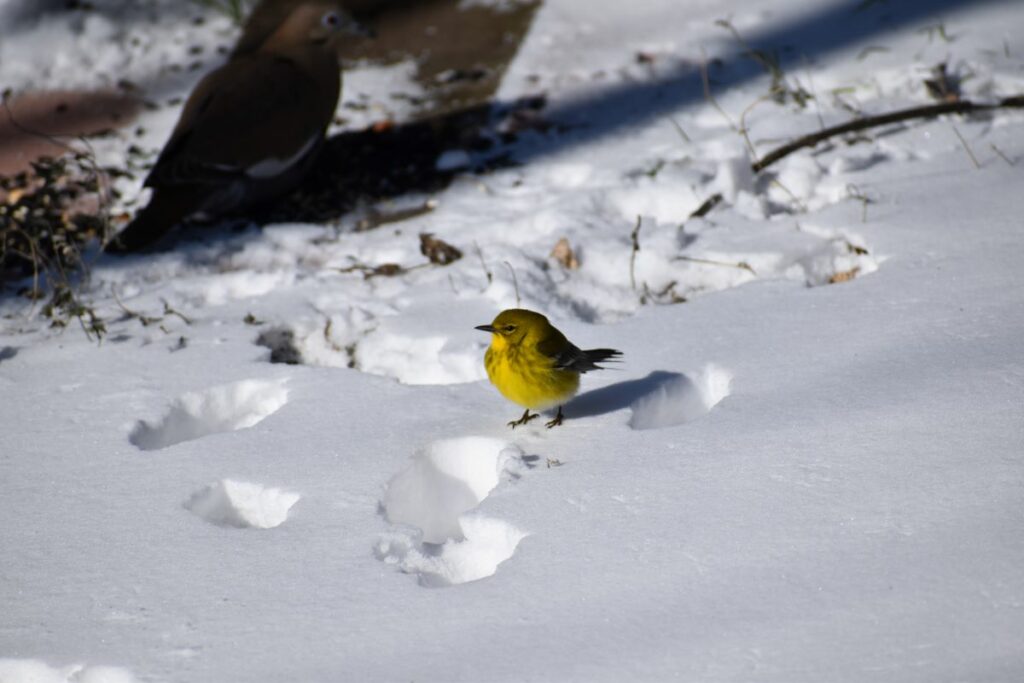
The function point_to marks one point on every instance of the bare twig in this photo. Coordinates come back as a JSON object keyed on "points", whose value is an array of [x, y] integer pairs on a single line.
{"points": [[1001, 155], [744, 131], [382, 270], [796, 200], [635, 238], [480, 255], [864, 200], [170, 311], [967, 148], [679, 129], [814, 94], [146, 320], [515, 282], [709, 203], [938, 29], [706, 80], [742, 265], [780, 87], [329, 337], [924, 112]]}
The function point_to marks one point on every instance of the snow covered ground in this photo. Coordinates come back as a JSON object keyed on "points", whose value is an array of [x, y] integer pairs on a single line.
{"points": [[811, 470]]}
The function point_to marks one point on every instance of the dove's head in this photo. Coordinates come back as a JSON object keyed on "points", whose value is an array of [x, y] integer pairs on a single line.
{"points": [[310, 22]]}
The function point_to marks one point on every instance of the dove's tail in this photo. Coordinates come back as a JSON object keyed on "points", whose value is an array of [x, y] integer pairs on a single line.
{"points": [[167, 208]]}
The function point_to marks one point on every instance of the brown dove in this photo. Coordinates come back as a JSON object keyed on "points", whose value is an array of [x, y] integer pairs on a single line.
{"points": [[250, 129]]}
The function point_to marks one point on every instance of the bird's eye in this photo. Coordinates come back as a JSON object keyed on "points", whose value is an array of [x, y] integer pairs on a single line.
{"points": [[331, 20], [510, 328]]}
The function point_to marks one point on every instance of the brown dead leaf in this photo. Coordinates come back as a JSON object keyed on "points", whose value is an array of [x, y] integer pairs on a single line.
{"points": [[844, 276], [15, 195], [438, 251], [943, 86], [564, 254]]}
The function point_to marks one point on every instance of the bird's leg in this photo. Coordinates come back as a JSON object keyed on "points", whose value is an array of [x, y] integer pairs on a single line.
{"points": [[523, 420], [557, 421]]}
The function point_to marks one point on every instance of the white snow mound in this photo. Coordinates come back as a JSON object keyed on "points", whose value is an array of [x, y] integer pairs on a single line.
{"points": [[681, 399], [444, 481], [35, 671], [225, 408], [241, 504]]}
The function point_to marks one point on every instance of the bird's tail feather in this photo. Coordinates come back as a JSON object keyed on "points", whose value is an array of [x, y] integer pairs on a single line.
{"points": [[166, 208], [594, 356]]}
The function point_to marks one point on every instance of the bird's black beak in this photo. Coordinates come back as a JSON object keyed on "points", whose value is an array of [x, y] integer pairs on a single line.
{"points": [[484, 328]]}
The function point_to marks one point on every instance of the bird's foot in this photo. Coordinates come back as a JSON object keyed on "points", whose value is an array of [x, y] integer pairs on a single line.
{"points": [[525, 419], [557, 421]]}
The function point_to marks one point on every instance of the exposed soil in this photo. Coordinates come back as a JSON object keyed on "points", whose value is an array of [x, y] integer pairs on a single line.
{"points": [[30, 123]]}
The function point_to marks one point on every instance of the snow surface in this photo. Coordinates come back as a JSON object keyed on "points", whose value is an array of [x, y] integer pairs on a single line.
{"points": [[812, 470]]}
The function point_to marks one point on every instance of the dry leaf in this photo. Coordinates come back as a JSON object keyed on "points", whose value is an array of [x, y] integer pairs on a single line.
{"points": [[438, 251], [563, 254], [942, 86], [844, 276], [385, 269]]}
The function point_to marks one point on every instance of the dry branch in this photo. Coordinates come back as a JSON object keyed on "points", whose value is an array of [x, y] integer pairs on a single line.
{"points": [[813, 139], [925, 112]]}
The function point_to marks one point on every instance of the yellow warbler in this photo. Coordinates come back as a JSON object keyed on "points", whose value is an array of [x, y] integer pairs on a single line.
{"points": [[533, 364]]}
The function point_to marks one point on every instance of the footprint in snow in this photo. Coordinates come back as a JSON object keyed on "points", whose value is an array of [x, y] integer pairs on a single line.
{"points": [[225, 408], [681, 399], [33, 670], [242, 505], [662, 399], [409, 357], [444, 543]]}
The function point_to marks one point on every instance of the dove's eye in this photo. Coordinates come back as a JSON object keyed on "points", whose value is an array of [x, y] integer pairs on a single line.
{"points": [[331, 20]]}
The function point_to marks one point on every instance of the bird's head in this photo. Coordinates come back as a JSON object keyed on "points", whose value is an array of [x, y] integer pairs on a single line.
{"points": [[515, 326], [313, 22]]}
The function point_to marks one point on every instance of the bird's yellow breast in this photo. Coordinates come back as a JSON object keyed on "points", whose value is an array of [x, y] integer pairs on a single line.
{"points": [[525, 376]]}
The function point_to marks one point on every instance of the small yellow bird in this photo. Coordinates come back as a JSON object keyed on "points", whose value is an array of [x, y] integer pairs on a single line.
{"points": [[533, 364]]}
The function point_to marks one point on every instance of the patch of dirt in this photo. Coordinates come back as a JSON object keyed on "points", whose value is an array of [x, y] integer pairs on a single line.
{"points": [[33, 125]]}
